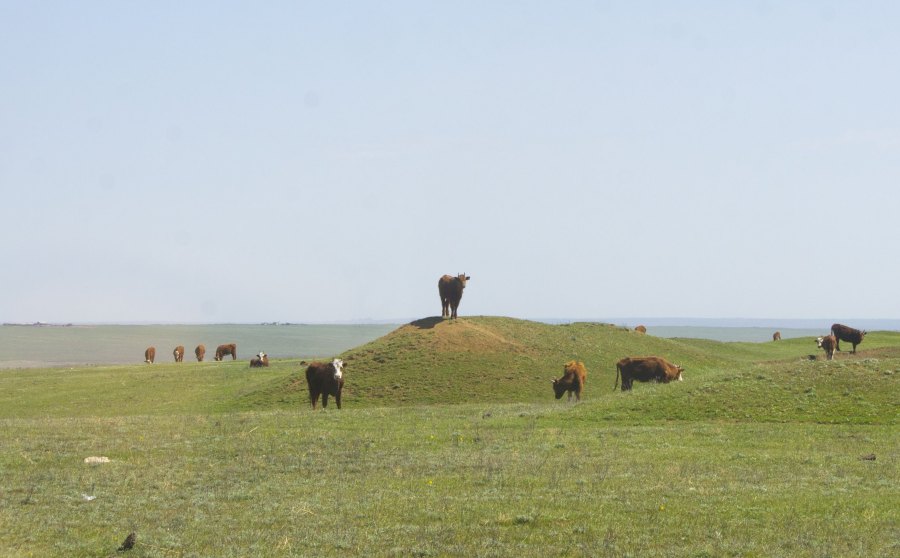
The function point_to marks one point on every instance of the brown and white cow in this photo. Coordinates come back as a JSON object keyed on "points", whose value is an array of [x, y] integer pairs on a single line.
{"points": [[450, 290], [200, 352], [776, 336], [848, 334], [828, 343], [646, 369], [572, 381], [178, 353], [640, 329], [150, 355], [325, 378], [230, 349], [259, 361]]}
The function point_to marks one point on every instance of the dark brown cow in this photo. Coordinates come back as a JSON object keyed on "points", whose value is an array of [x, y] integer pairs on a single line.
{"points": [[259, 361], [828, 342], [230, 349], [451, 290], [848, 334], [150, 355], [200, 352], [641, 329], [646, 369], [776, 336], [179, 353], [572, 381], [325, 378]]}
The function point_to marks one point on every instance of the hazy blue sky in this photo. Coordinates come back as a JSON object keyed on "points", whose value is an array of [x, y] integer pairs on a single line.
{"points": [[298, 161]]}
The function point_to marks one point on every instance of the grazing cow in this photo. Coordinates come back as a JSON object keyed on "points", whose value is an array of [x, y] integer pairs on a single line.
{"points": [[829, 343], [325, 378], [848, 334], [641, 329], [572, 381], [451, 290], [150, 355], [260, 360], [776, 336], [179, 353], [230, 349], [200, 352], [646, 369]]}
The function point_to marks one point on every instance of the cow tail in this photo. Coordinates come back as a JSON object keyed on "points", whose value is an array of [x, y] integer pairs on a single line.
{"points": [[618, 369]]}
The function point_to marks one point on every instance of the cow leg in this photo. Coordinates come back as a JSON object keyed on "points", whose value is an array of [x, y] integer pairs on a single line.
{"points": [[453, 314], [337, 399], [324, 399], [313, 397]]}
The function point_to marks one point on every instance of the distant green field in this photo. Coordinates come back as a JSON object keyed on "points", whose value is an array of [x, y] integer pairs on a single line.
{"points": [[450, 444]]}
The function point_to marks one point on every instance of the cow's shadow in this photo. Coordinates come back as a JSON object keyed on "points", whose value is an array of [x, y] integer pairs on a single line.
{"points": [[427, 323]]}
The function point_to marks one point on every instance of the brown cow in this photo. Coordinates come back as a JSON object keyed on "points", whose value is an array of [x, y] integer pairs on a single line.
{"points": [[200, 352], [150, 355], [828, 342], [179, 353], [572, 381], [848, 334], [641, 329], [646, 369], [776, 336], [325, 378], [259, 361], [230, 349], [451, 290]]}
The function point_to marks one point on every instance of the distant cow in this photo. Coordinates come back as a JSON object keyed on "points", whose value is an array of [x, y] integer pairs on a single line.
{"points": [[179, 353], [260, 360], [325, 378], [150, 355], [200, 352], [776, 336], [451, 291], [572, 381], [848, 334], [223, 350], [646, 369], [829, 343], [641, 329]]}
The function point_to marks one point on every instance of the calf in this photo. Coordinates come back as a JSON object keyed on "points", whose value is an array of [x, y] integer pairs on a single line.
{"points": [[848, 334], [646, 369], [325, 378], [572, 381], [150, 355], [259, 361], [829, 343]]}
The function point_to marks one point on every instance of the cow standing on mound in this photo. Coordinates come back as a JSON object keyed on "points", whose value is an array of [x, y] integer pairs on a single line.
{"points": [[848, 334], [451, 290], [828, 343], [223, 350], [150, 355], [200, 352], [259, 361], [178, 353], [325, 378], [646, 369], [572, 381]]}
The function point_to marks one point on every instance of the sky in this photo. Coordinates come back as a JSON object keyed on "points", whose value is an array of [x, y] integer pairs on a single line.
{"points": [[245, 162]]}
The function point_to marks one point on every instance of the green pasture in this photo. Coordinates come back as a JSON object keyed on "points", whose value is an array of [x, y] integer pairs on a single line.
{"points": [[450, 444]]}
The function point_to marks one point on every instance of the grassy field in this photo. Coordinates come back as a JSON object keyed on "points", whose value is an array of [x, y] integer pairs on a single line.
{"points": [[451, 444]]}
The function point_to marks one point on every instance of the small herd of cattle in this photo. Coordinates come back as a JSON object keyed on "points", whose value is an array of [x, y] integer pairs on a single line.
{"points": [[200, 352], [832, 342]]}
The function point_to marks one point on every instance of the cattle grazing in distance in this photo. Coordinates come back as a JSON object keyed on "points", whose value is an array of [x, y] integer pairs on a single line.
{"points": [[776, 336], [200, 352], [223, 350], [451, 290], [150, 355], [641, 329], [572, 381], [646, 369], [848, 334], [325, 378], [178, 353], [828, 343], [259, 361]]}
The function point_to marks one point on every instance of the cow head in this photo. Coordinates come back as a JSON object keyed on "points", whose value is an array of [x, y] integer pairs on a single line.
{"points": [[261, 355], [462, 278], [558, 388], [338, 365], [680, 370], [819, 342]]}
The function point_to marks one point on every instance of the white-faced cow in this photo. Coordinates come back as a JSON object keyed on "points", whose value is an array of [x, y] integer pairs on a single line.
{"points": [[828, 343], [178, 353], [451, 290], [260, 360], [646, 369], [200, 352], [325, 378], [230, 349], [776, 336], [848, 334], [150, 355], [572, 381]]}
